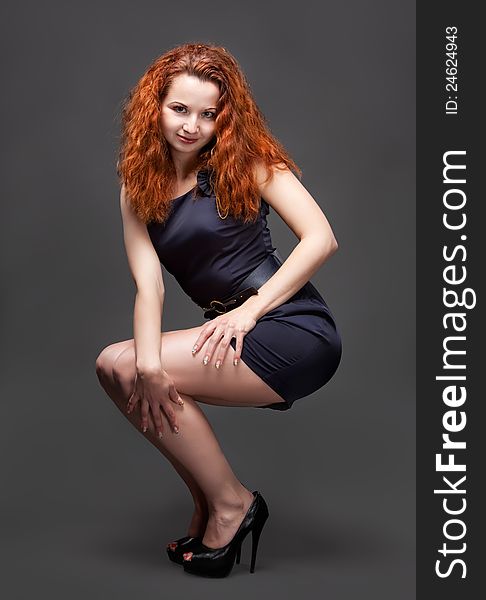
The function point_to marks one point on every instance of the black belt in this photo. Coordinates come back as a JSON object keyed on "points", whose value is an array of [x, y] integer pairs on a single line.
{"points": [[248, 287]]}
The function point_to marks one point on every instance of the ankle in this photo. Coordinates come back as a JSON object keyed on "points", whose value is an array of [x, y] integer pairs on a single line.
{"points": [[229, 503]]}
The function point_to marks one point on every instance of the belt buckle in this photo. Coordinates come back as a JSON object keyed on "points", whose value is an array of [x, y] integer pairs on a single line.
{"points": [[213, 306]]}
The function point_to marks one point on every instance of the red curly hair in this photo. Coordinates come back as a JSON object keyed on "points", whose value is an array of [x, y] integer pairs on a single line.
{"points": [[241, 137]]}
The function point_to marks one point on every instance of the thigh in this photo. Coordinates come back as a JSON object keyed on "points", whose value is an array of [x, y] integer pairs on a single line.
{"points": [[228, 386]]}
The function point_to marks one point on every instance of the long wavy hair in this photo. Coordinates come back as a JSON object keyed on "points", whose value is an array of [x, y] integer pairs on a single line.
{"points": [[241, 137]]}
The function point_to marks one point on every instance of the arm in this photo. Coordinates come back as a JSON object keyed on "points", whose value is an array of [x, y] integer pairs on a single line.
{"points": [[147, 274], [293, 203]]}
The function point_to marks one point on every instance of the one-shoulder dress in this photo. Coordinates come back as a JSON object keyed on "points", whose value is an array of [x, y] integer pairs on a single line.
{"points": [[294, 348]]}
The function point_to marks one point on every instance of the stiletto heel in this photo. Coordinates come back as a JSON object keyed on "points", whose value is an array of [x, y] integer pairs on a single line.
{"points": [[255, 537], [218, 562]]}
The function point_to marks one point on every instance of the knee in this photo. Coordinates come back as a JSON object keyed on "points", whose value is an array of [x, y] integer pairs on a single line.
{"points": [[122, 370], [104, 365]]}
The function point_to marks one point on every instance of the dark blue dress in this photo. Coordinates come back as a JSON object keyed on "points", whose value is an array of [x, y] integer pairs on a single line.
{"points": [[296, 347]]}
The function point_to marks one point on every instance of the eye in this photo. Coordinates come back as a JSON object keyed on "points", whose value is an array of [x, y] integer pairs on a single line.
{"points": [[209, 114]]}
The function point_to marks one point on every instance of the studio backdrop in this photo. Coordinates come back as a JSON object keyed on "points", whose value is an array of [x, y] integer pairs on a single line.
{"points": [[87, 504]]}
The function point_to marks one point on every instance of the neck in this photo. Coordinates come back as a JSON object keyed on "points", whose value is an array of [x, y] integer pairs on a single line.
{"points": [[184, 165]]}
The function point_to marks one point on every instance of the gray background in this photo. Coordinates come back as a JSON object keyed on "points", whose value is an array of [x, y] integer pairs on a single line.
{"points": [[88, 505]]}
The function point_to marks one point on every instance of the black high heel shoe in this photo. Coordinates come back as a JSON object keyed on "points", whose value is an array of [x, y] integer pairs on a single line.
{"points": [[218, 562], [176, 549]]}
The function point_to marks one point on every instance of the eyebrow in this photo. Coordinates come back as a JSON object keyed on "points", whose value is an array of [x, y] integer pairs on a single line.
{"points": [[185, 105]]}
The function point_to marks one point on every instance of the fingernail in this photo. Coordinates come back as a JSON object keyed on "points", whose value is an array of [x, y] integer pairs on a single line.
{"points": [[181, 402], [218, 364], [144, 429], [235, 362], [194, 348], [176, 429], [206, 360], [160, 434]]}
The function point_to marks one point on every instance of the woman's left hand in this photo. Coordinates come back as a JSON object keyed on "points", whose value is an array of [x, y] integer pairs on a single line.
{"points": [[220, 330]]}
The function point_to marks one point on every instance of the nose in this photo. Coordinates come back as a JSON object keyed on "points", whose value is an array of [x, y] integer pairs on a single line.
{"points": [[191, 126]]}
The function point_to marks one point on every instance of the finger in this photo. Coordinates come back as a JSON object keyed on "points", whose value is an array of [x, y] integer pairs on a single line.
{"points": [[150, 419], [213, 340], [132, 402], [238, 347], [174, 396], [171, 416], [144, 409], [222, 349], [157, 418], [203, 336]]}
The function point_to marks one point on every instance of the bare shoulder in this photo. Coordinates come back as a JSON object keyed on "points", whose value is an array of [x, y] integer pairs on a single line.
{"points": [[124, 204], [129, 216], [124, 200], [263, 174]]}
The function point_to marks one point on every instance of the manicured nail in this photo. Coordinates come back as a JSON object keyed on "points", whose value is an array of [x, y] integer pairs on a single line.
{"points": [[144, 429], [235, 362], [181, 402], [206, 360], [176, 429], [194, 349], [218, 364], [160, 435]]}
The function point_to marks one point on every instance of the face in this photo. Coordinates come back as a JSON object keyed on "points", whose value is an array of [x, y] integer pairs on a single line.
{"points": [[188, 113]]}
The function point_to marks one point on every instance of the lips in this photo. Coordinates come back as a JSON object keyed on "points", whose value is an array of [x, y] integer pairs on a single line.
{"points": [[186, 139]]}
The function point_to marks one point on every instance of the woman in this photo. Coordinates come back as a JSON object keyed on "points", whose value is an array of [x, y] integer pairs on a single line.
{"points": [[199, 170]]}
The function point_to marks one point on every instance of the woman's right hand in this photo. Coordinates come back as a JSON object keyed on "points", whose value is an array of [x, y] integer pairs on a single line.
{"points": [[155, 391]]}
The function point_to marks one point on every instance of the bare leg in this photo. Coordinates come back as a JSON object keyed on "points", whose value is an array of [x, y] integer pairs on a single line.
{"points": [[196, 447], [119, 394]]}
